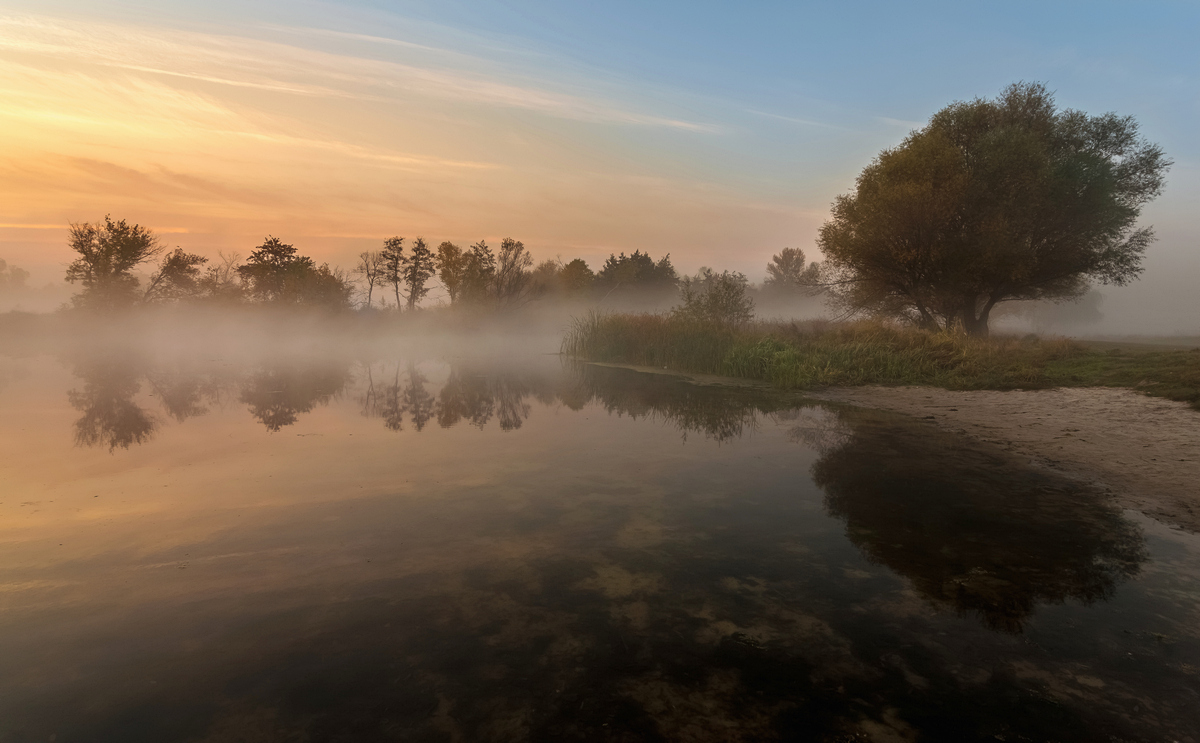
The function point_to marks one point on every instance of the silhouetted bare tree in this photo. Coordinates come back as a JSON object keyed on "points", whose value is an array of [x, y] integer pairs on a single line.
{"points": [[371, 268], [222, 282], [393, 264]]}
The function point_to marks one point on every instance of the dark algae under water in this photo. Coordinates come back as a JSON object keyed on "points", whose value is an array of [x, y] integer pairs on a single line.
{"points": [[304, 548]]}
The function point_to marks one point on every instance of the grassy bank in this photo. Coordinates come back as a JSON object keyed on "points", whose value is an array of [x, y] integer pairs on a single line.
{"points": [[819, 354]]}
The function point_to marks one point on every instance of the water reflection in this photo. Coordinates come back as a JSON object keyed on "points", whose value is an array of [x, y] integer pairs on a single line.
{"points": [[472, 395], [969, 525], [182, 394], [276, 396], [278, 393], [110, 416], [720, 414], [598, 581]]}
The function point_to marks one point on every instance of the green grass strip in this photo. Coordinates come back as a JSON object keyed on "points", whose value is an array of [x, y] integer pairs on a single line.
{"points": [[824, 354]]}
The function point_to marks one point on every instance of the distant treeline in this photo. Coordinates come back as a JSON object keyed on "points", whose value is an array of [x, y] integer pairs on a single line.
{"points": [[275, 273]]}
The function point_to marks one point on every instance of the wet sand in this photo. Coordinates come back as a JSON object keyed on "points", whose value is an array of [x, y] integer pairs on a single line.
{"points": [[1145, 450]]}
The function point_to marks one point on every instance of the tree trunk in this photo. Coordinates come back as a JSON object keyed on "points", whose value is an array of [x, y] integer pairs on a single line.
{"points": [[983, 318], [976, 327], [977, 324], [927, 321]]}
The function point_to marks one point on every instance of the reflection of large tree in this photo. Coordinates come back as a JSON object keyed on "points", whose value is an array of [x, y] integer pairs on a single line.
{"points": [[277, 395], [110, 416], [970, 526]]}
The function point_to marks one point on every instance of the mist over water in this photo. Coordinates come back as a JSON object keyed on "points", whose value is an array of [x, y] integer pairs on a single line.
{"points": [[328, 535]]}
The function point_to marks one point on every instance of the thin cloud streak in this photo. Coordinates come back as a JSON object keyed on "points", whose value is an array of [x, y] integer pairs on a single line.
{"points": [[254, 63], [794, 120], [145, 108], [910, 125]]}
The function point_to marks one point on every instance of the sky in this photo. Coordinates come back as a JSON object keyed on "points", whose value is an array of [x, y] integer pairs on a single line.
{"points": [[717, 132]]}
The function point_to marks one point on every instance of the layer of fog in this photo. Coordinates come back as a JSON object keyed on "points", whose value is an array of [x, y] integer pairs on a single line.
{"points": [[1163, 308]]}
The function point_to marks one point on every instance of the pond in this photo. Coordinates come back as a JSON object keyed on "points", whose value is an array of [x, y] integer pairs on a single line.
{"points": [[387, 547]]}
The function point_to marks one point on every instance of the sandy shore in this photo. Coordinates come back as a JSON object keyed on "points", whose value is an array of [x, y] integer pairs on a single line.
{"points": [[1145, 450]]}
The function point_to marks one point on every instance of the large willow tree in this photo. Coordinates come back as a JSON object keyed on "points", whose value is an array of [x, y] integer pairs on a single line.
{"points": [[994, 201]]}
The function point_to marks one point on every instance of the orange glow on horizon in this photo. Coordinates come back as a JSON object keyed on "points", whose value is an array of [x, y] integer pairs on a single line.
{"points": [[223, 139]]}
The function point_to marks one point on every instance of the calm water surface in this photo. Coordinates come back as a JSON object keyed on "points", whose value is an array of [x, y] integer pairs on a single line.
{"points": [[298, 548]]}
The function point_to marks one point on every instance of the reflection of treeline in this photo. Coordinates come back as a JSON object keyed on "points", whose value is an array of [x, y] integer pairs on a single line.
{"points": [[400, 394], [466, 396], [274, 394], [111, 415], [969, 526], [479, 395]]}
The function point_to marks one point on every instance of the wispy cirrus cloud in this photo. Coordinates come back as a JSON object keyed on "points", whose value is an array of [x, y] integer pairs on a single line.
{"points": [[902, 123], [150, 111], [245, 62], [795, 120]]}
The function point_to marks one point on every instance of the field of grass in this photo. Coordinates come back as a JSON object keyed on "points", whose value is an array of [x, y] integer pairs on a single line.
{"points": [[823, 354]]}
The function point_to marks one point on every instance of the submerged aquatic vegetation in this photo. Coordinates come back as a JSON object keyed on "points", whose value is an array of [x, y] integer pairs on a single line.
{"points": [[819, 354]]}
